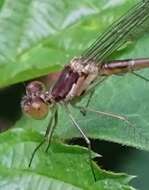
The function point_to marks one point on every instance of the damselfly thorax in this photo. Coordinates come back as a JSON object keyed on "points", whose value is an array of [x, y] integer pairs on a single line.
{"points": [[75, 80], [77, 77]]}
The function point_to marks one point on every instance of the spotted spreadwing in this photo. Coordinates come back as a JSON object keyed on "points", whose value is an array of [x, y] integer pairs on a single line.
{"points": [[81, 76]]}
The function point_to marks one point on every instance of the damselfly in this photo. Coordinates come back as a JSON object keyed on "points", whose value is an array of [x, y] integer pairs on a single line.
{"points": [[84, 73]]}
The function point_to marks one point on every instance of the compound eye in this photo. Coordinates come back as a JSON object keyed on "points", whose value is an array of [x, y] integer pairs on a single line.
{"points": [[35, 108], [35, 87]]}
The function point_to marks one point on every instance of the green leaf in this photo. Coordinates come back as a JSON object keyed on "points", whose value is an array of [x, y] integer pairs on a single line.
{"points": [[63, 167], [37, 37]]}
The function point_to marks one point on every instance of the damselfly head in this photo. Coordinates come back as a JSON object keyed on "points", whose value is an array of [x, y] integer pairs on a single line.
{"points": [[34, 107], [35, 88], [33, 103]]}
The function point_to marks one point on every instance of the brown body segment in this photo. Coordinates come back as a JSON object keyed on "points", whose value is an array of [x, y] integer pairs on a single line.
{"points": [[72, 84], [123, 66], [64, 84]]}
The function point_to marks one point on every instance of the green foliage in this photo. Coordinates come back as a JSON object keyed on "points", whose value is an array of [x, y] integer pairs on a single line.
{"points": [[63, 167], [38, 37]]}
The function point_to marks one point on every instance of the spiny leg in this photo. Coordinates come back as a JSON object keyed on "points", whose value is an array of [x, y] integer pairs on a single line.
{"points": [[34, 152], [42, 142], [75, 124], [83, 110], [140, 76], [50, 134], [143, 138], [88, 102], [91, 92], [115, 116]]}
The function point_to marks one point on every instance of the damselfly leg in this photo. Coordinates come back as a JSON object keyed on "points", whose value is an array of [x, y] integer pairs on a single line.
{"points": [[91, 92], [51, 131], [107, 114], [83, 111], [140, 76], [137, 131], [88, 142], [47, 136]]}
